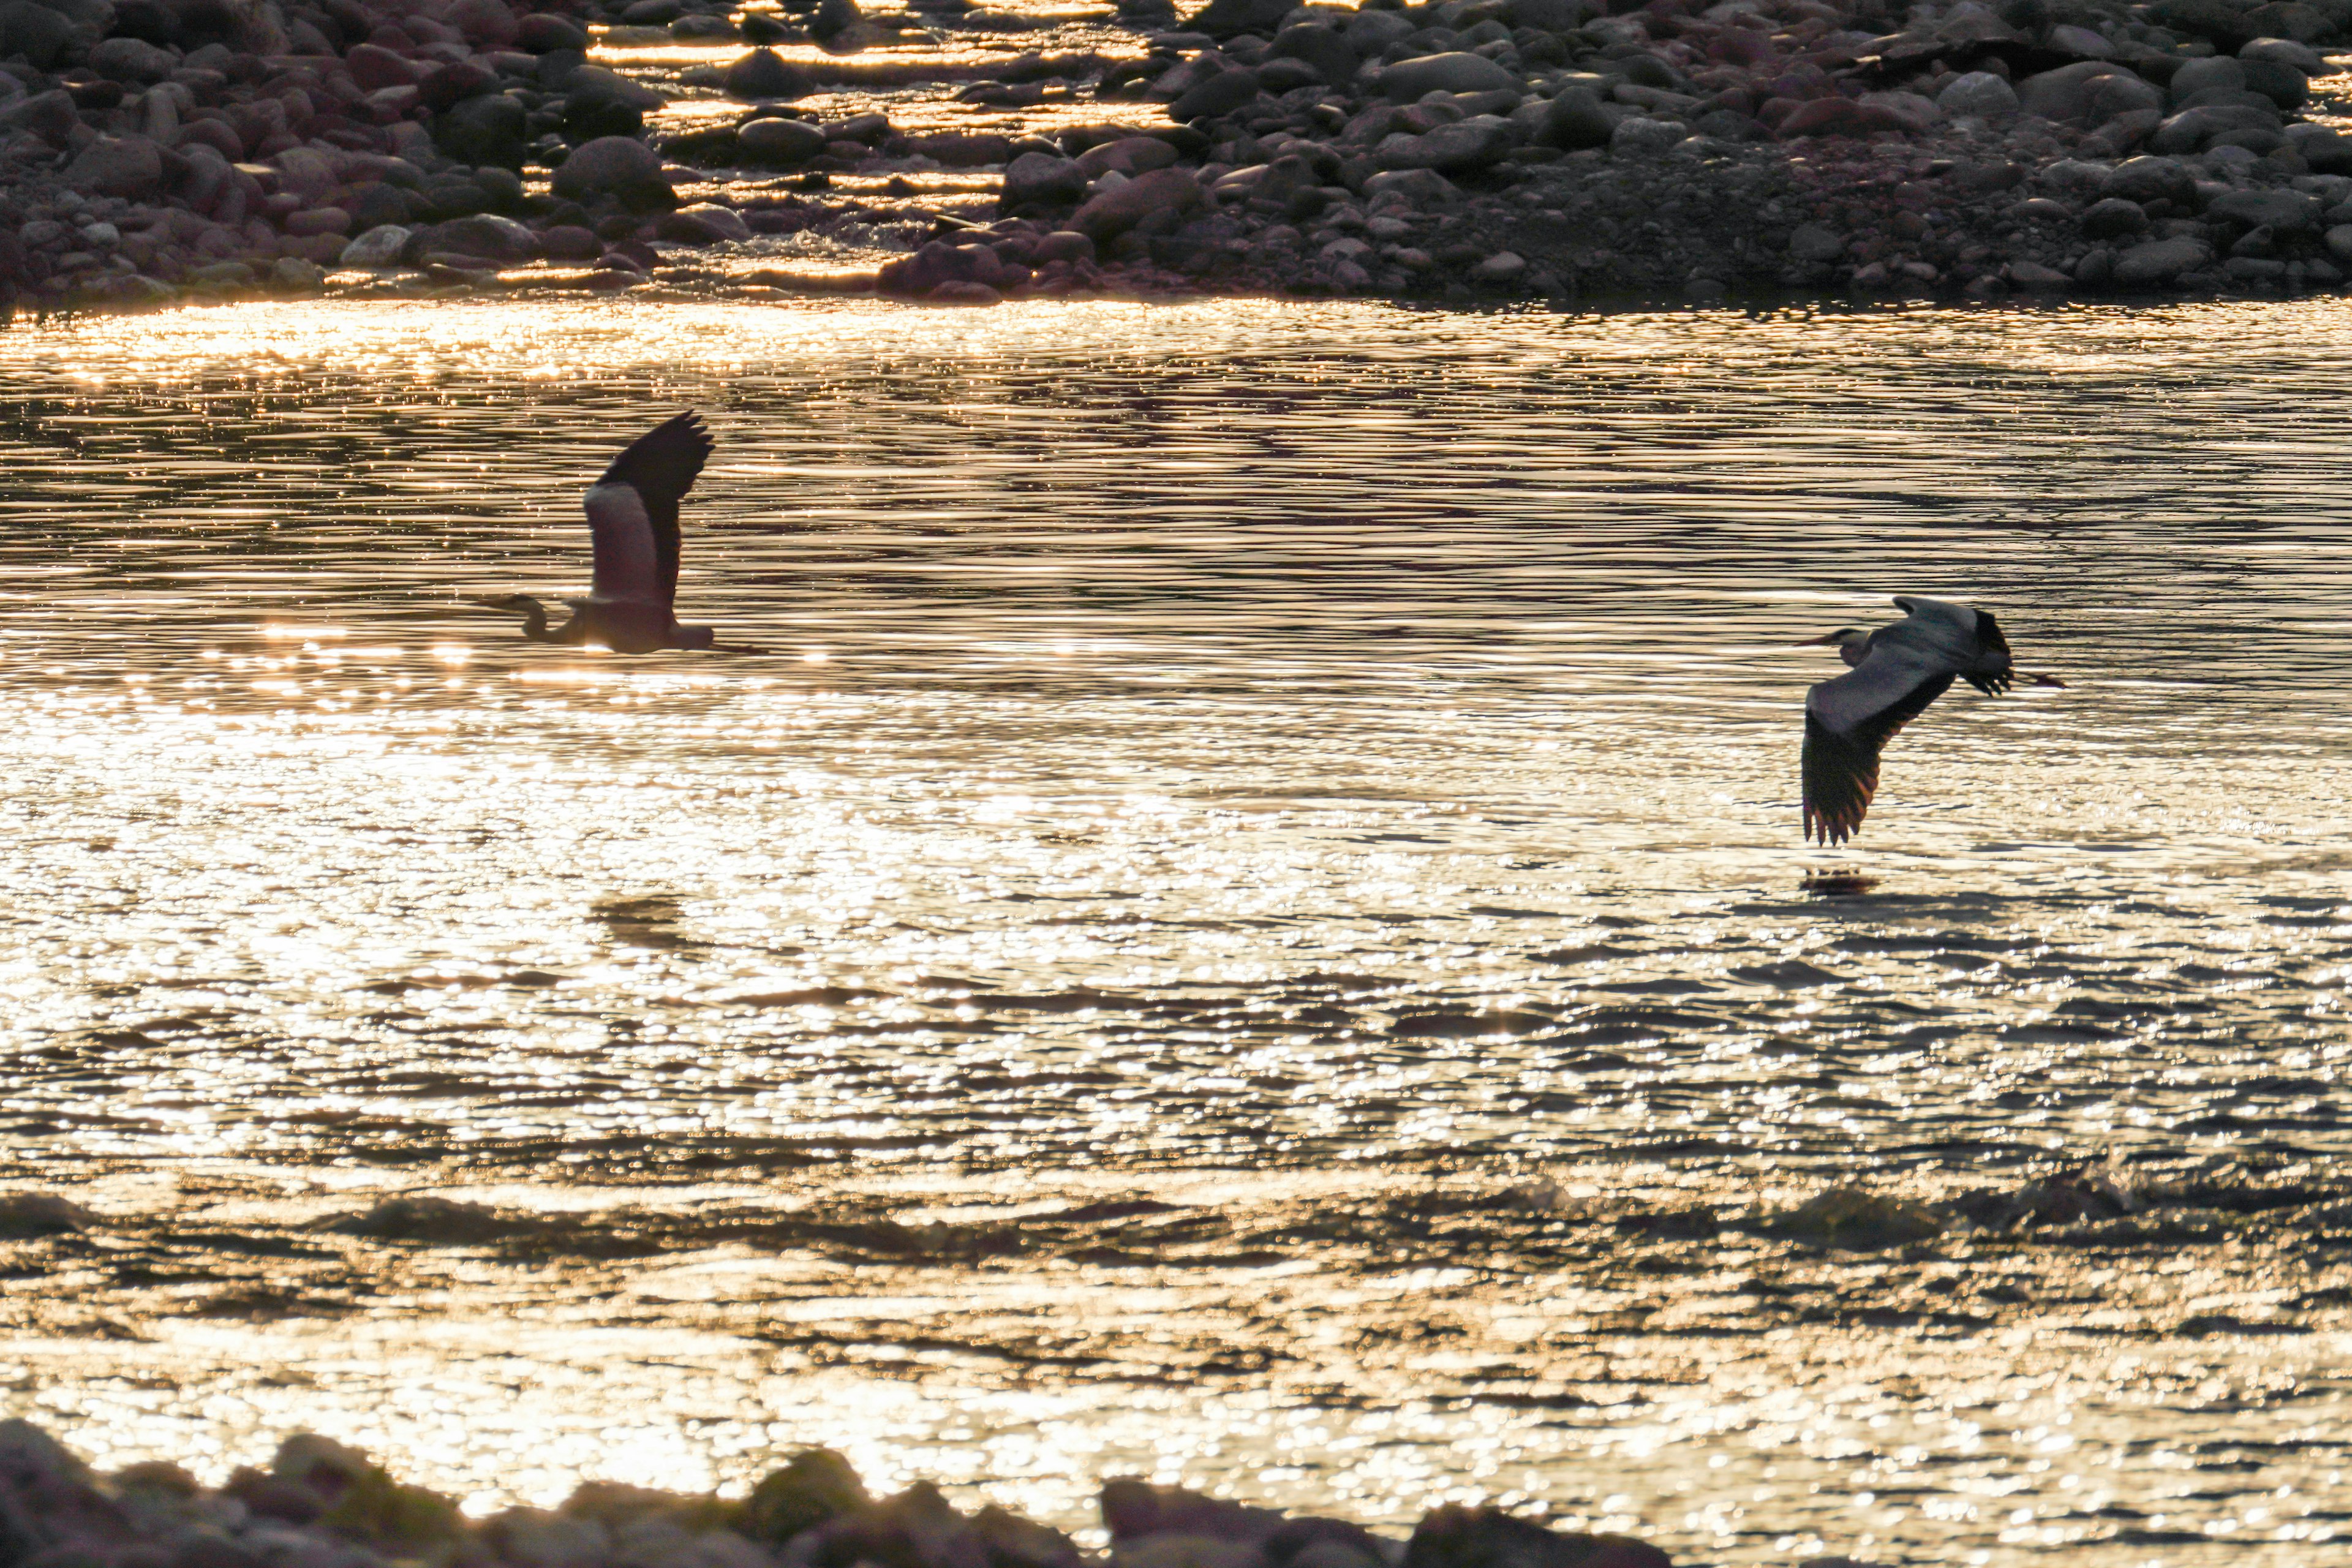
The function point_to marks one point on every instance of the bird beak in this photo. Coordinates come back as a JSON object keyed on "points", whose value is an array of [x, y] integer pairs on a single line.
{"points": [[2045, 680], [1816, 642]]}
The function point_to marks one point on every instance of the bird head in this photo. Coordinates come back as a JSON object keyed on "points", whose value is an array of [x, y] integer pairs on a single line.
{"points": [[1843, 638]]}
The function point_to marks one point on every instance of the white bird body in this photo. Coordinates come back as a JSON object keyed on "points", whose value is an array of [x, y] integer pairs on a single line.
{"points": [[633, 528], [1897, 671]]}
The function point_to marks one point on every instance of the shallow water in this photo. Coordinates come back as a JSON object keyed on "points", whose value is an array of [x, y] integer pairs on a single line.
{"points": [[1326, 744]]}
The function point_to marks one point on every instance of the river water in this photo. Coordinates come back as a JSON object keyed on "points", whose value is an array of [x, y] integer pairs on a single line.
{"points": [[1262, 767]]}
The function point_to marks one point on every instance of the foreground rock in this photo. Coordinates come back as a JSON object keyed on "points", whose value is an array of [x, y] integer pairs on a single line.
{"points": [[321, 1502]]}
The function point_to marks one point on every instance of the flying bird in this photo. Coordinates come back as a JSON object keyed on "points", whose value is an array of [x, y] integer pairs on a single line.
{"points": [[633, 524], [1898, 670]]}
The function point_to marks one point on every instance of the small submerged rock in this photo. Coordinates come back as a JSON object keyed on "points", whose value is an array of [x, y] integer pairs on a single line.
{"points": [[1855, 1219]]}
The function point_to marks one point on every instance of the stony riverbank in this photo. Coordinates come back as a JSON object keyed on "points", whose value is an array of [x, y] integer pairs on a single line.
{"points": [[152, 150], [320, 1504]]}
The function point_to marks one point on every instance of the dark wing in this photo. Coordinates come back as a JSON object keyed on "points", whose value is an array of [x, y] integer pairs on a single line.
{"points": [[1992, 674], [661, 466], [1848, 722]]}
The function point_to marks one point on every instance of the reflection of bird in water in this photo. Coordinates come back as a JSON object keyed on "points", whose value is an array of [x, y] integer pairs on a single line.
{"points": [[1898, 669], [633, 523]]}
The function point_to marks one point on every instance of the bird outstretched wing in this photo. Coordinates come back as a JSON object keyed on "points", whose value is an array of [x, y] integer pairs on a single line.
{"points": [[639, 495], [627, 565], [1849, 720]]}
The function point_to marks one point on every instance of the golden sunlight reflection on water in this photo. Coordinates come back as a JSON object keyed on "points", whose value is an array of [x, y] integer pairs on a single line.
{"points": [[1254, 757]]}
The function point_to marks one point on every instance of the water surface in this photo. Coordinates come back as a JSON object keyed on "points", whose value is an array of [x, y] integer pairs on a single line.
{"points": [[1253, 756]]}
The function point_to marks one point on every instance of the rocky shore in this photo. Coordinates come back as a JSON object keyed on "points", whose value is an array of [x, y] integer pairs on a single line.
{"points": [[155, 150], [321, 1504]]}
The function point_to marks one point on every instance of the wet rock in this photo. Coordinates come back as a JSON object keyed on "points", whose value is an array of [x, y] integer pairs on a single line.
{"points": [[537, 1538], [49, 1500], [765, 74], [1217, 95], [1419, 187], [363, 1502], [1839, 117], [2287, 212], [39, 34], [51, 116], [1407, 81], [1230, 18], [131, 60], [1321, 47], [1811, 242], [2113, 218], [1638, 136], [489, 24], [1130, 155], [2287, 52], [373, 68], [1174, 1549], [1012, 1541], [491, 129], [24, 1215], [1503, 266], [834, 19], [1458, 1537], [2282, 83], [542, 33], [815, 1485], [423, 1218], [917, 1528], [705, 223], [961, 150], [1458, 148], [1575, 120], [379, 246], [778, 143], [617, 1506], [2152, 179], [2071, 1197], [1067, 245], [570, 242], [129, 166], [1162, 194], [1040, 182], [2340, 242], [319, 221], [491, 238], [2032, 274], [449, 86], [2157, 262], [1133, 1510], [1856, 1220], [611, 165]]}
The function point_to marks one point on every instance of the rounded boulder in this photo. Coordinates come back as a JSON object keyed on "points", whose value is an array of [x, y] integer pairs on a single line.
{"points": [[773, 142], [1981, 93], [1407, 81], [763, 73], [608, 166], [542, 34], [1118, 210]]}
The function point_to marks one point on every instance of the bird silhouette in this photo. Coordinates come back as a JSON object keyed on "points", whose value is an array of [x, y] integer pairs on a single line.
{"points": [[633, 525], [1898, 670]]}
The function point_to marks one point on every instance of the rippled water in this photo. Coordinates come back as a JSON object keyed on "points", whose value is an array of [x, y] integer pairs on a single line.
{"points": [[1249, 754]]}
